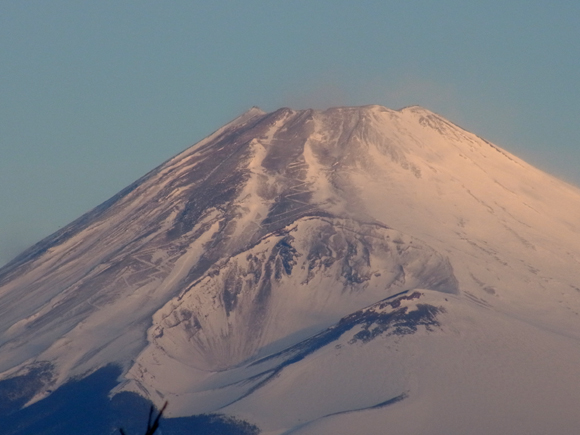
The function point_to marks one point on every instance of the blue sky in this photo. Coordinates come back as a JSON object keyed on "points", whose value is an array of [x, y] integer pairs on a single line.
{"points": [[95, 94]]}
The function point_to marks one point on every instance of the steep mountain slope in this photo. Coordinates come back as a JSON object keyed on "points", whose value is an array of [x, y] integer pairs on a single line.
{"points": [[295, 266]]}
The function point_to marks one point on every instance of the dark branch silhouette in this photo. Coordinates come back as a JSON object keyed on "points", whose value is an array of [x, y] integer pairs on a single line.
{"points": [[151, 428]]}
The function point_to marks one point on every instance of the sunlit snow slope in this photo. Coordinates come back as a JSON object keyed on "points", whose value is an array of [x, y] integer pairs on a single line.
{"points": [[319, 272]]}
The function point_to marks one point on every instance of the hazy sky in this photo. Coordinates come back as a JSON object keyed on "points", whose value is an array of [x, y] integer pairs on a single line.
{"points": [[95, 94]]}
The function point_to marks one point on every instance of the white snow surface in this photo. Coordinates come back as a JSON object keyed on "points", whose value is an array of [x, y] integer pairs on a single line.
{"points": [[207, 277]]}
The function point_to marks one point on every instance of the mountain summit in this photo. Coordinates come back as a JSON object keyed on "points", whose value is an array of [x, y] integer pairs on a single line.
{"points": [[333, 271]]}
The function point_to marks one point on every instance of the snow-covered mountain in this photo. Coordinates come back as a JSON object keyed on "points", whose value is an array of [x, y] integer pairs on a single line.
{"points": [[311, 272]]}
